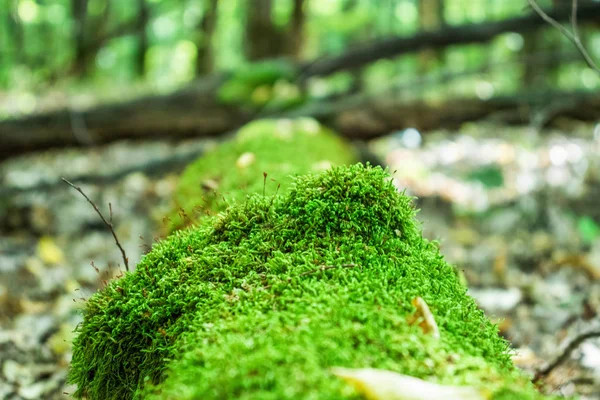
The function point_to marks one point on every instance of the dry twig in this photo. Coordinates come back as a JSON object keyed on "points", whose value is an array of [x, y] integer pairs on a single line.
{"points": [[108, 223], [574, 36], [571, 345]]}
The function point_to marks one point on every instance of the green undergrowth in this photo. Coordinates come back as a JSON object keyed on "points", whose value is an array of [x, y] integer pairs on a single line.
{"points": [[281, 148], [266, 85], [260, 301]]}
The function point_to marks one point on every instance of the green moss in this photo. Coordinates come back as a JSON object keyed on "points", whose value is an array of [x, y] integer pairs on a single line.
{"points": [[262, 300], [281, 148]]}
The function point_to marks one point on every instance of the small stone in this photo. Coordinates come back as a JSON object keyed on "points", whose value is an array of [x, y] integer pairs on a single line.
{"points": [[38, 390], [16, 373], [38, 327], [6, 390], [590, 352], [525, 358], [504, 221], [495, 300]]}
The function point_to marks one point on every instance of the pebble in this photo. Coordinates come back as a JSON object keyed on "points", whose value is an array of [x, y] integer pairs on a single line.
{"points": [[36, 327], [590, 356], [497, 300]]}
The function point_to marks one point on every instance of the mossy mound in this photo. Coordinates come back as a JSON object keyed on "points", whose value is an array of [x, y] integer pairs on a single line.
{"points": [[281, 148], [262, 300]]}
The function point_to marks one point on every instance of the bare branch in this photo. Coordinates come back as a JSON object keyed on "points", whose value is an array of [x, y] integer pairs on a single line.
{"points": [[109, 223], [570, 346], [574, 18], [572, 36]]}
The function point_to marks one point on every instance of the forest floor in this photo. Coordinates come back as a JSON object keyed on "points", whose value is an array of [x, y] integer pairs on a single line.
{"points": [[515, 210]]}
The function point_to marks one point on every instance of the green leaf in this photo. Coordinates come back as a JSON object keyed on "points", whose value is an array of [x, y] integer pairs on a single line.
{"points": [[588, 229]]}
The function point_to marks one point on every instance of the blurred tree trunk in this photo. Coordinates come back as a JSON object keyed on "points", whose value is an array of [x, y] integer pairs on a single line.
{"points": [[546, 45], [534, 73], [356, 73], [204, 37], [15, 31], [295, 40], [46, 56], [431, 18], [195, 112], [81, 61], [142, 20], [556, 42], [263, 39]]}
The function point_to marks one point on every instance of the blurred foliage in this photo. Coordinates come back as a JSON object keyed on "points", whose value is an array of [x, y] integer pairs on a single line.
{"points": [[263, 84], [489, 176], [38, 48], [588, 229]]}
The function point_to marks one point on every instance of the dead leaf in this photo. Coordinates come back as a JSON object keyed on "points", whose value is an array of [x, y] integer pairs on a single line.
{"points": [[425, 317], [378, 384], [49, 252]]}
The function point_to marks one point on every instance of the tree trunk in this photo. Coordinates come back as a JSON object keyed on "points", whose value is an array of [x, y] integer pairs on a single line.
{"points": [[431, 18], [81, 62], [15, 31], [263, 39], [142, 21], [195, 112], [204, 38], [296, 31], [534, 73]]}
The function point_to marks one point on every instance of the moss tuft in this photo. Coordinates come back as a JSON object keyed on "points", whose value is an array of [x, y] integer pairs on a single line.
{"points": [[281, 148], [262, 300]]}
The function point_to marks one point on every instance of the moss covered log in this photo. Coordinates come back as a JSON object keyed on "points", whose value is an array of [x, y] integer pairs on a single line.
{"points": [[262, 300], [280, 148]]}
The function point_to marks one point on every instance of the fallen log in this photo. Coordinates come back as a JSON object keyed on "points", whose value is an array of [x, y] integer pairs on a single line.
{"points": [[465, 34], [193, 114], [190, 112]]}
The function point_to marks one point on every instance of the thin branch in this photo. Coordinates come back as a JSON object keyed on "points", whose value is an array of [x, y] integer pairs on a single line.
{"points": [[572, 36], [109, 223], [571, 345], [574, 18]]}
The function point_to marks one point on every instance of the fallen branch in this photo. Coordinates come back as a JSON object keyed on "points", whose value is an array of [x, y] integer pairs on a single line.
{"points": [[571, 345], [108, 223], [574, 36]]}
